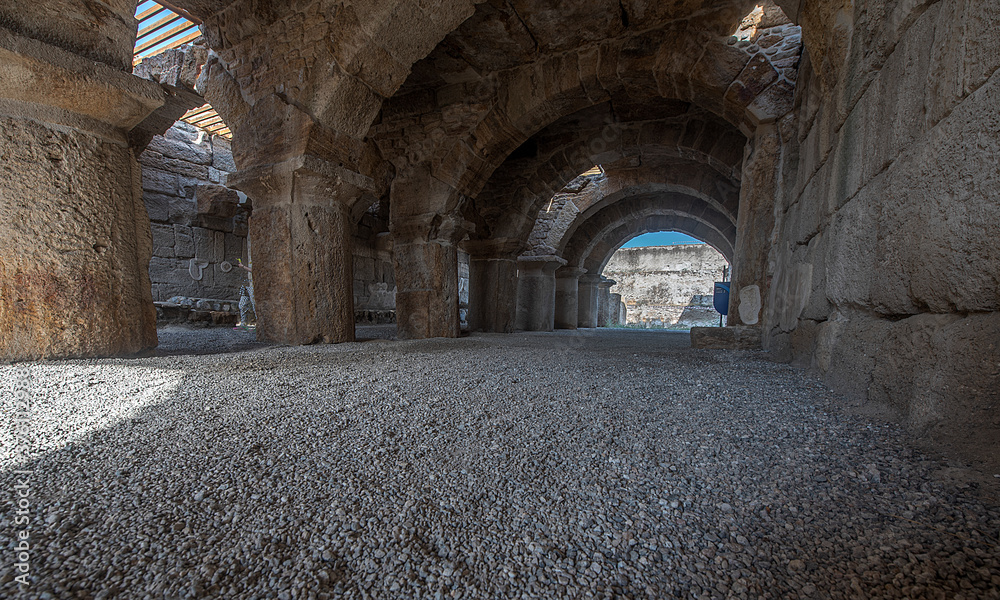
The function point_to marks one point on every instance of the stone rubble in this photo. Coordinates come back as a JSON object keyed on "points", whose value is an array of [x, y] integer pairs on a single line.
{"points": [[572, 464]]}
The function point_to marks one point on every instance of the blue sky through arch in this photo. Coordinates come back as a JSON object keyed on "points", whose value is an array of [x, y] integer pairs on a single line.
{"points": [[660, 238]]}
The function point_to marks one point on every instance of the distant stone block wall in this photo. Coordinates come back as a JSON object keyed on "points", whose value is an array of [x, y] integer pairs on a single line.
{"points": [[667, 285]]}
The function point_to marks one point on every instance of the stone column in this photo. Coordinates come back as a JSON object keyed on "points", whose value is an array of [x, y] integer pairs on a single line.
{"points": [[754, 229], [493, 284], [302, 263], [615, 310], [75, 241], [536, 292], [567, 297], [604, 301], [426, 267], [587, 300]]}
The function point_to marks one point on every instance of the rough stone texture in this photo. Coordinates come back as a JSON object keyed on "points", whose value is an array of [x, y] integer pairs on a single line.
{"points": [[749, 304], [587, 300], [886, 268], [194, 216], [74, 245], [536, 292], [735, 337], [759, 192], [607, 307], [567, 298], [303, 281], [493, 288], [100, 31], [427, 294], [668, 285]]}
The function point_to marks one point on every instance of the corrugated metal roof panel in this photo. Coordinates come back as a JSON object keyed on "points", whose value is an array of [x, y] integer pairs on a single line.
{"points": [[161, 27]]}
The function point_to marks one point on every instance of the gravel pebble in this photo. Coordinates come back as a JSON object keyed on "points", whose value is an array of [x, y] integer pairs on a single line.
{"points": [[590, 464]]}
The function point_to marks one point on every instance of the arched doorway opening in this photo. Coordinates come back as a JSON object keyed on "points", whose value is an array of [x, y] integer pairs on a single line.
{"points": [[663, 280]]}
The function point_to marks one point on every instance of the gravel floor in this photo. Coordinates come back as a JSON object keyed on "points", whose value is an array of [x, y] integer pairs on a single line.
{"points": [[572, 464]]}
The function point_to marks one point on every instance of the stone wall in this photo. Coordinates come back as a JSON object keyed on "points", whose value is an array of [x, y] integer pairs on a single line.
{"points": [[667, 285], [199, 226], [374, 279], [887, 267]]}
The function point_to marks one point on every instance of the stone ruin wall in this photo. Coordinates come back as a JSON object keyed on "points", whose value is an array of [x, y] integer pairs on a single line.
{"points": [[374, 277], [199, 228], [887, 266], [664, 286]]}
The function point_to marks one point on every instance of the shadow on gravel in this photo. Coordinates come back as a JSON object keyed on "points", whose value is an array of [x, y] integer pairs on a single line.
{"points": [[178, 340]]}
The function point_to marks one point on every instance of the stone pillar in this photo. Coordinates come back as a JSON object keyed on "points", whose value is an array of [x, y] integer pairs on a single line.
{"points": [[754, 229], [493, 284], [426, 267], [536, 292], [587, 300], [567, 297], [75, 241], [302, 264], [604, 301], [615, 310]]}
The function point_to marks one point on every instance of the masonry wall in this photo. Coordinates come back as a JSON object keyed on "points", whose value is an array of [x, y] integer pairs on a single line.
{"points": [[887, 267], [374, 278], [667, 285], [199, 226]]}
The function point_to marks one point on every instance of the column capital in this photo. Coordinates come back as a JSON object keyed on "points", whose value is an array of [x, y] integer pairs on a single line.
{"points": [[499, 248], [62, 88], [568, 272], [302, 179], [606, 283], [591, 278], [546, 264]]}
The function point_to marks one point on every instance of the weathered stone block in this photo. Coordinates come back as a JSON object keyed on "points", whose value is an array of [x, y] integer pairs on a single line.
{"points": [[71, 287], [216, 201], [157, 206], [182, 150], [155, 180], [163, 240], [204, 243], [183, 241], [173, 273], [183, 211]]}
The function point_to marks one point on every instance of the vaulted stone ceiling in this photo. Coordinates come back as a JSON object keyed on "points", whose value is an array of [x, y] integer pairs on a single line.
{"points": [[504, 34], [514, 82]]}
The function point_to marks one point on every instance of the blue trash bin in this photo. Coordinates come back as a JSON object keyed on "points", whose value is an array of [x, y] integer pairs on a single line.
{"points": [[721, 298]]}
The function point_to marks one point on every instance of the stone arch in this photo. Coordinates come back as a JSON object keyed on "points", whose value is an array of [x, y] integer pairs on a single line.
{"points": [[602, 251], [674, 211], [739, 84], [337, 62], [695, 150], [551, 291], [642, 183]]}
